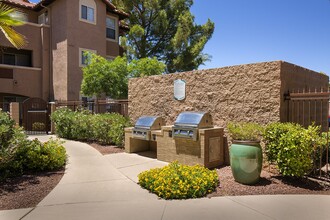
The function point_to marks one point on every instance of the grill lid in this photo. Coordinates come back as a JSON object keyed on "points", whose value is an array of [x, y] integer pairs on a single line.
{"points": [[149, 122], [194, 119]]}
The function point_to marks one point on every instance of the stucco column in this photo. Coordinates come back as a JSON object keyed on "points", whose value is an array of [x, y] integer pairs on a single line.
{"points": [[14, 112], [52, 109]]}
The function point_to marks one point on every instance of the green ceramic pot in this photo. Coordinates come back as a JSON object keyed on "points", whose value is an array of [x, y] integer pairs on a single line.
{"points": [[246, 161]]}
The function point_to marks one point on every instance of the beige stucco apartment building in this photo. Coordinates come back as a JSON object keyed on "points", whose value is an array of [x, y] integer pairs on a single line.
{"points": [[58, 32]]}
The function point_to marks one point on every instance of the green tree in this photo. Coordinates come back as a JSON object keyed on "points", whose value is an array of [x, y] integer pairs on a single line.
{"points": [[145, 67], [101, 76], [7, 21], [166, 30]]}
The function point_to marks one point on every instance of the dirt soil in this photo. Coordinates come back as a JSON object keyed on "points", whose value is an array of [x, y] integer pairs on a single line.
{"points": [[28, 190]]}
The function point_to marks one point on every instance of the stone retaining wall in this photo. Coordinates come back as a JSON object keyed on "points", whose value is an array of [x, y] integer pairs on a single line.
{"points": [[252, 92]]}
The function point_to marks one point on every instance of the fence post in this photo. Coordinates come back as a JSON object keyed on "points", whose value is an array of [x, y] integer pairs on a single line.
{"points": [[52, 109], [14, 112]]}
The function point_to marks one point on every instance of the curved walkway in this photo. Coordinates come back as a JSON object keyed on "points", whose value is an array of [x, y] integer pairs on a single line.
{"points": [[104, 187]]}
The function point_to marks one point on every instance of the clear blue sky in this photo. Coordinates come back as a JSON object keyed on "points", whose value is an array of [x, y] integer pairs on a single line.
{"points": [[248, 31]]}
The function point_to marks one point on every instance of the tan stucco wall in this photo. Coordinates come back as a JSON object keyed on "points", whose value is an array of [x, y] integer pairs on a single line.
{"points": [[94, 38], [113, 48], [25, 82], [32, 82], [61, 74], [70, 34], [237, 93]]}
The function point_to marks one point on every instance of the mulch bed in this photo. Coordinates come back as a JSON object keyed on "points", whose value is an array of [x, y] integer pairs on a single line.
{"points": [[269, 184], [28, 190], [107, 149]]}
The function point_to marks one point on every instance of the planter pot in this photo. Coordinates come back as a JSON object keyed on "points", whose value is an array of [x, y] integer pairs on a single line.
{"points": [[246, 161]]}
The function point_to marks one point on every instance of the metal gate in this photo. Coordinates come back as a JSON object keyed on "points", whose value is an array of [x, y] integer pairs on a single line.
{"points": [[306, 108], [311, 107], [35, 117]]}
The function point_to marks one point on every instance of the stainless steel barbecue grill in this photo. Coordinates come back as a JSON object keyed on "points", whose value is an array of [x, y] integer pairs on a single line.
{"points": [[188, 123], [144, 125]]}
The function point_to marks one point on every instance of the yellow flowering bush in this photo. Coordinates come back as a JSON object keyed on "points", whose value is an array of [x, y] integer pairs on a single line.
{"points": [[177, 181]]}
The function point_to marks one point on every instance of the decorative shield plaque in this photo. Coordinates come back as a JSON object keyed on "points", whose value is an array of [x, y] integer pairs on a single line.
{"points": [[179, 89]]}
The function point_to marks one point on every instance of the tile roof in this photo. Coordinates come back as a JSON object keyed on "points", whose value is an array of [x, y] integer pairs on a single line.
{"points": [[23, 3], [27, 4]]}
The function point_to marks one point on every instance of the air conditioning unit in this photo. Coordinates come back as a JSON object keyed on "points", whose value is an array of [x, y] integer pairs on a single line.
{"points": [[43, 18]]}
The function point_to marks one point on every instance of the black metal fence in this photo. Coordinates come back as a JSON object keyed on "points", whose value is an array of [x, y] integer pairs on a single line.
{"points": [[97, 106], [5, 106]]}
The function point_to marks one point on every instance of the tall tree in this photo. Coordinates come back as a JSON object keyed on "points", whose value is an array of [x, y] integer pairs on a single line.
{"points": [[7, 21], [166, 29], [101, 76]]}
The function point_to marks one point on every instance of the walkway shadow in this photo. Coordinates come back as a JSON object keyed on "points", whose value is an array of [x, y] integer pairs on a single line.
{"points": [[149, 154]]}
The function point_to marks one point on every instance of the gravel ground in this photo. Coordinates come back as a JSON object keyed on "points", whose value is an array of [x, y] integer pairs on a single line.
{"points": [[269, 184], [28, 190]]}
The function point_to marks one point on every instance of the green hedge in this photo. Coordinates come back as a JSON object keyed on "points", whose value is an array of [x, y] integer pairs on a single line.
{"points": [[293, 148], [82, 125], [177, 181]]}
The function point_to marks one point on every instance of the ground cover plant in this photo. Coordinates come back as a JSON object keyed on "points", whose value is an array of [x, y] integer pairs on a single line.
{"points": [[245, 131], [18, 155], [82, 125], [177, 181]]}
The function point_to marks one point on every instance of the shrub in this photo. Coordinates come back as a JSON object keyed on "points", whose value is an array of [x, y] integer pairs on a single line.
{"points": [[63, 119], [7, 129], [18, 154], [292, 147], [81, 128], [101, 126], [116, 132], [176, 181], [37, 156], [82, 125], [245, 131], [38, 126]]}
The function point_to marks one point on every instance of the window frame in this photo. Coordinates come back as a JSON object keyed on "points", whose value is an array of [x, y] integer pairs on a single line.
{"points": [[116, 28], [81, 50], [89, 4]]}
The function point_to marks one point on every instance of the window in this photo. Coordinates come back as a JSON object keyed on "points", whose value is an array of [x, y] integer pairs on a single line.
{"points": [[9, 59], [16, 58], [111, 28], [87, 11], [85, 56], [110, 58]]}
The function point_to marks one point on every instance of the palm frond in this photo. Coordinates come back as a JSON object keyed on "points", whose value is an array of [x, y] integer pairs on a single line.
{"points": [[15, 38], [7, 21]]}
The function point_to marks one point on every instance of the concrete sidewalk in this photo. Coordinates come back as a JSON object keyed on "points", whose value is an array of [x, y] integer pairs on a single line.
{"points": [[104, 187]]}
